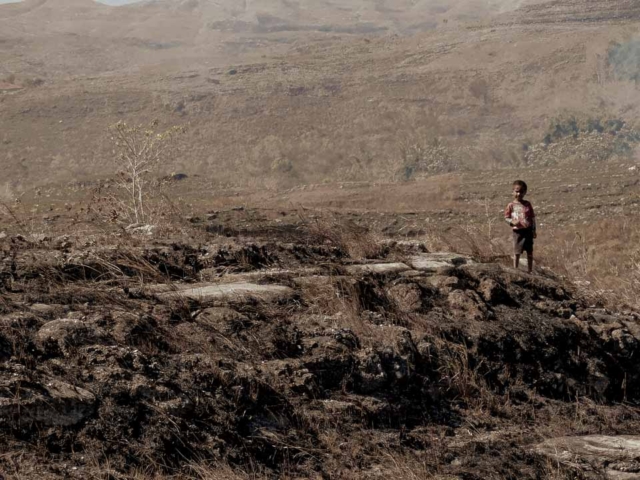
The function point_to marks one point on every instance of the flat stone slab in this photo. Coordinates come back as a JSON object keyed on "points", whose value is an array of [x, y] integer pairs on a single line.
{"points": [[431, 262], [381, 268], [615, 455], [210, 275], [228, 292], [318, 280]]}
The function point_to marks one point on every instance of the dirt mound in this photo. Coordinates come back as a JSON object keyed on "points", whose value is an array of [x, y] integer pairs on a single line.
{"points": [[448, 365]]}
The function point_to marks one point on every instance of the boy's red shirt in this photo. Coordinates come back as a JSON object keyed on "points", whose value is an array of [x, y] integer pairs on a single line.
{"points": [[520, 215]]}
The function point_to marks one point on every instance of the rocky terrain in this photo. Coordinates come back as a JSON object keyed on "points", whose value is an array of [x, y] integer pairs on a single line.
{"points": [[323, 287], [301, 352]]}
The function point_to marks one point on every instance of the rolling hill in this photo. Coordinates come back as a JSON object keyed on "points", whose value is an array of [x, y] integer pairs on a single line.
{"points": [[282, 92]]}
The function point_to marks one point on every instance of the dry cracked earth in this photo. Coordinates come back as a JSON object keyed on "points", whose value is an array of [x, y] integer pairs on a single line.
{"points": [[304, 353]]}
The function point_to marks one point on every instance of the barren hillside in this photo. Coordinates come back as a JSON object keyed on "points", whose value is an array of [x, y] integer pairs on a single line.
{"points": [[295, 93]]}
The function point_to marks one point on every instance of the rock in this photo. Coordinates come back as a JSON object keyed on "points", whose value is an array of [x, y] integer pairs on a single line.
{"points": [[229, 292], [140, 229], [406, 296], [212, 274], [432, 262], [606, 318], [624, 343], [411, 274], [377, 268], [389, 364], [633, 328], [405, 246], [58, 336], [49, 402], [372, 376], [136, 330], [224, 320], [42, 308], [319, 281], [444, 283], [331, 357], [48, 310], [604, 330], [468, 303], [492, 292], [614, 455]]}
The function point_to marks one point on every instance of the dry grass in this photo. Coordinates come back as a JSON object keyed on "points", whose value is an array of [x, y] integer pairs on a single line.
{"points": [[338, 300], [341, 300], [603, 258], [195, 471], [356, 241]]}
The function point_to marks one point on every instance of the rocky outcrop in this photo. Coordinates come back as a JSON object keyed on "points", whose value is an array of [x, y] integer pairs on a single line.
{"points": [[411, 353], [616, 457]]}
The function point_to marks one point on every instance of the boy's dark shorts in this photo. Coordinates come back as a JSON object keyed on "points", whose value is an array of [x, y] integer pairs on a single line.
{"points": [[523, 241]]}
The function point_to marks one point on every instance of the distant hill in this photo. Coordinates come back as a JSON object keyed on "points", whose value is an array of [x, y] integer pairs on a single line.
{"points": [[305, 91]]}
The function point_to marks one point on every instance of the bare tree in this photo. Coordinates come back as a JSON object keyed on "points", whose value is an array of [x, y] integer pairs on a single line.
{"points": [[138, 151]]}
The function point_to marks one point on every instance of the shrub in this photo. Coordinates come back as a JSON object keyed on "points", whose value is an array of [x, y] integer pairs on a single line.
{"points": [[428, 157], [138, 152]]}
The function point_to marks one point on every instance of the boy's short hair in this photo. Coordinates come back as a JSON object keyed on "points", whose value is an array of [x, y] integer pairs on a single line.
{"points": [[521, 184]]}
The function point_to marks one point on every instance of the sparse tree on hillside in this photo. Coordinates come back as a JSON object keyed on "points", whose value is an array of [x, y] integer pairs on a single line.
{"points": [[138, 151]]}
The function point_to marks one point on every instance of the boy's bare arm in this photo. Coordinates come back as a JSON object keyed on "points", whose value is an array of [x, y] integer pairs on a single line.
{"points": [[507, 215]]}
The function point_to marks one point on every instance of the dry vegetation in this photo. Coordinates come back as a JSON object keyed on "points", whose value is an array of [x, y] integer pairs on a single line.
{"points": [[279, 105], [483, 413], [321, 142]]}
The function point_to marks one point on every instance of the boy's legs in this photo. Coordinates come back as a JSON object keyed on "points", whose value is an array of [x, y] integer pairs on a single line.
{"points": [[530, 261], [516, 260]]}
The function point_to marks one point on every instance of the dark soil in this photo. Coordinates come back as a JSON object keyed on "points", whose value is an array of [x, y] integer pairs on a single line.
{"points": [[453, 373]]}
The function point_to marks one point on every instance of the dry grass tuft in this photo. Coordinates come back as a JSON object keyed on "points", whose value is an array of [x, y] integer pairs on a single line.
{"points": [[339, 301], [602, 259], [356, 241]]}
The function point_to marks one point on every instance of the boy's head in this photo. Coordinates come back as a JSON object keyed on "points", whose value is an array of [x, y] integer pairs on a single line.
{"points": [[519, 189]]}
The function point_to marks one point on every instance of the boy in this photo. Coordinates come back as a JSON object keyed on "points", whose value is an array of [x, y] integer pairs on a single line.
{"points": [[520, 216]]}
